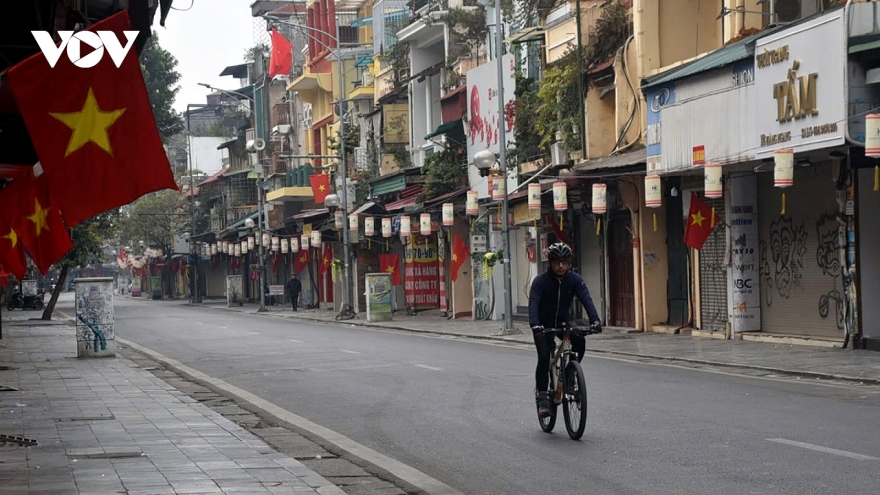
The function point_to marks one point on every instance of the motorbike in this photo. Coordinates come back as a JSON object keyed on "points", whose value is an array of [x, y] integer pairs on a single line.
{"points": [[16, 300]]}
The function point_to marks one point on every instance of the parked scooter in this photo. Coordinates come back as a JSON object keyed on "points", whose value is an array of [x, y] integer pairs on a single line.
{"points": [[16, 300]]}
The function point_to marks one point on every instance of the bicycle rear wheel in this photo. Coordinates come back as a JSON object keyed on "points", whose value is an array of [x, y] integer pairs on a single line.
{"points": [[574, 402]]}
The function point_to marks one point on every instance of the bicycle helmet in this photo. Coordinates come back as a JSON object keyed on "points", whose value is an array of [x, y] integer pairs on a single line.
{"points": [[558, 251]]}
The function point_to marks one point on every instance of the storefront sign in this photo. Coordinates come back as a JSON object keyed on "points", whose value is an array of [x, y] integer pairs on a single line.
{"points": [[422, 276], [798, 81], [378, 296], [699, 155], [746, 311]]}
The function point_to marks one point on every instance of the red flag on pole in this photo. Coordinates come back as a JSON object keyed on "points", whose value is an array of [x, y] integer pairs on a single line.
{"points": [[701, 221], [390, 263], [320, 186], [97, 138], [301, 261], [12, 255], [326, 259], [281, 57], [460, 253]]}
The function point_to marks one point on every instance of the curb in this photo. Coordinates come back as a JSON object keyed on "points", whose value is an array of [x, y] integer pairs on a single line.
{"points": [[805, 374]]}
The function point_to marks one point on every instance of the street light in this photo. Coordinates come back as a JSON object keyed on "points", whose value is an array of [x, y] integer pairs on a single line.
{"points": [[255, 146], [347, 310]]}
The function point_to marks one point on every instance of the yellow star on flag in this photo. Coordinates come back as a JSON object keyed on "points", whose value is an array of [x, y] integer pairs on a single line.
{"points": [[39, 217], [698, 219], [390, 269], [321, 188], [89, 124], [12, 236], [326, 260], [303, 258], [454, 257]]}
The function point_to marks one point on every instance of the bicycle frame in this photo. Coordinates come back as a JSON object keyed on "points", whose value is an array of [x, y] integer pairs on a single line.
{"points": [[557, 366]]}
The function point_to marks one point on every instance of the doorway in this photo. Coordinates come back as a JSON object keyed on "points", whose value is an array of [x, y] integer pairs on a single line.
{"points": [[621, 284]]}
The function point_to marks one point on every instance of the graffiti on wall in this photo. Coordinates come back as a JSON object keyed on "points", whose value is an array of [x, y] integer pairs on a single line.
{"points": [[828, 260], [788, 245]]}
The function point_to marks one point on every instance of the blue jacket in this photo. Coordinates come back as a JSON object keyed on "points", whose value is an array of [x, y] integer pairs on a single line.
{"points": [[550, 299]]}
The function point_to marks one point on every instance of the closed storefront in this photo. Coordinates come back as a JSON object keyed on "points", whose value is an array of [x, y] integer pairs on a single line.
{"points": [[868, 261], [799, 253], [713, 274]]}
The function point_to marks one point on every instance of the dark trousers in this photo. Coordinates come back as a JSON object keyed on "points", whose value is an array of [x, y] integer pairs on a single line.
{"points": [[546, 345], [293, 298]]}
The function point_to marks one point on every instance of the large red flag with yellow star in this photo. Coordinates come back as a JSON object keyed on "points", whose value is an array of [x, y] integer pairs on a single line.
{"points": [[327, 258], [301, 261], [26, 205], [701, 221], [93, 128], [12, 255], [460, 254], [390, 263]]}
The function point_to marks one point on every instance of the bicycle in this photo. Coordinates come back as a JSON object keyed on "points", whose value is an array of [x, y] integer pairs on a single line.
{"points": [[567, 384]]}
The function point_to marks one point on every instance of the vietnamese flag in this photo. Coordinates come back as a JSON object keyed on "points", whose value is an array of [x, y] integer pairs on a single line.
{"points": [[32, 215], [701, 221], [390, 263], [12, 255], [460, 253], [301, 261], [320, 186], [93, 128], [281, 56], [327, 259]]}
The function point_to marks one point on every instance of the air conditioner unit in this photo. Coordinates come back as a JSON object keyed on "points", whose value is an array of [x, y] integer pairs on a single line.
{"points": [[281, 129]]}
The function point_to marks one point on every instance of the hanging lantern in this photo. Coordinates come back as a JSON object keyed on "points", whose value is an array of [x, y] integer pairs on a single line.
{"points": [[353, 223], [316, 238], [448, 217], [285, 246], [560, 196], [405, 226], [714, 184], [425, 224], [276, 243], [250, 244], [783, 172], [653, 191], [872, 143], [304, 242], [499, 187], [872, 135], [338, 219], [600, 202], [244, 247], [472, 206], [222, 247], [294, 245], [369, 226], [213, 249], [386, 227], [236, 250], [534, 196], [267, 239]]}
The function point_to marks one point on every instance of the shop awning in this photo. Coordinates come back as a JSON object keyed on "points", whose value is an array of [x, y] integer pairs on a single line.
{"points": [[636, 157], [311, 213], [445, 128], [367, 207], [226, 144], [241, 221]]}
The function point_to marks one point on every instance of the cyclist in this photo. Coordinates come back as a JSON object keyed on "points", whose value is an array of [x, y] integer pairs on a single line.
{"points": [[550, 301]]}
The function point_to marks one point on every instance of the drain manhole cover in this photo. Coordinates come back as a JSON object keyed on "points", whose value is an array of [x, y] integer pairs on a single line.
{"points": [[26, 442]]}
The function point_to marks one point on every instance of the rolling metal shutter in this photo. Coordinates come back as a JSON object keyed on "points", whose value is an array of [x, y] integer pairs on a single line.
{"points": [[713, 275], [801, 288]]}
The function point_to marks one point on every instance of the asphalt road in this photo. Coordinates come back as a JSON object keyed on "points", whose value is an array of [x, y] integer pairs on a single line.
{"points": [[463, 411]]}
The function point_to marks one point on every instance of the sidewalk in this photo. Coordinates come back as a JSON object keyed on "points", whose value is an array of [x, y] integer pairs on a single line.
{"points": [[798, 360], [104, 426]]}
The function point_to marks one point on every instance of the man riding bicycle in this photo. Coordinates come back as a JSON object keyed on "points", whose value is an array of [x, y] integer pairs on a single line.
{"points": [[550, 301]]}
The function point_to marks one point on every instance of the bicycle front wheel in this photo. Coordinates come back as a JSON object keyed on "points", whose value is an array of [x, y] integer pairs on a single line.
{"points": [[574, 402]]}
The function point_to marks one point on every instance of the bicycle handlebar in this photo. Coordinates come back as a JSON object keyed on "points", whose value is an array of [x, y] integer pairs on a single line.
{"points": [[570, 330]]}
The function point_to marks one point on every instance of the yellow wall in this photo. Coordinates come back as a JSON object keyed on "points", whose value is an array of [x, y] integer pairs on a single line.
{"points": [[654, 262], [629, 97], [601, 132]]}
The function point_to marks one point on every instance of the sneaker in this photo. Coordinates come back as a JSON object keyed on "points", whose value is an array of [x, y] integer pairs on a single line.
{"points": [[543, 402]]}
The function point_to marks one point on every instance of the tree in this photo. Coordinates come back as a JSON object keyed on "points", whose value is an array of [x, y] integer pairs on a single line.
{"points": [[87, 249], [160, 74]]}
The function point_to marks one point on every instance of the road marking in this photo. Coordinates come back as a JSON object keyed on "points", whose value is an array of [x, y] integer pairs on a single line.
{"points": [[827, 450], [350, 352], [406, 473], [428, 367], [255, 333], [297, 341]]}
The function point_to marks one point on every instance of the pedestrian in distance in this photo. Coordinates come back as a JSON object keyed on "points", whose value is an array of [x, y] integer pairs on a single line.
{"points": [[294, 287]]}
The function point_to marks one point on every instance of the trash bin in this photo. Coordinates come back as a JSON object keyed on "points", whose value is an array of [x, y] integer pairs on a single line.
{"points": [[378, 296], [95, 336]]}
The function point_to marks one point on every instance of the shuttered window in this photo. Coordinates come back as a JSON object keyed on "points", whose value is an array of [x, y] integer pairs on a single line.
{"points": [[713, 275]]}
